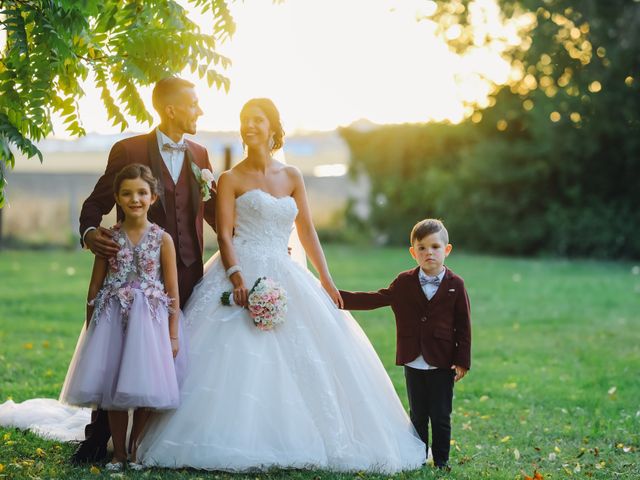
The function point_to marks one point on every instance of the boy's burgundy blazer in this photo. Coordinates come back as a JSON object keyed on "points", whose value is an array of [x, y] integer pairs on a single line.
{"points": [[144, 149], [439, 329]]}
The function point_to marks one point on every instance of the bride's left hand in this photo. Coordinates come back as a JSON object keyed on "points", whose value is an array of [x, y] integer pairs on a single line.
{"points": [[333, 292]]}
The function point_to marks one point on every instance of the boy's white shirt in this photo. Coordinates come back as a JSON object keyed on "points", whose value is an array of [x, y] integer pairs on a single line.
{"points": [[429, 290]]}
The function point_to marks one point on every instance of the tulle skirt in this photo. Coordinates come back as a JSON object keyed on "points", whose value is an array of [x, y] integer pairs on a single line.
{"points": [[311, 393], [117, 368]]}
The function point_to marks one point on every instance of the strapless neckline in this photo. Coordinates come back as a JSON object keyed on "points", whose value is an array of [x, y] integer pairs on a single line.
{"points": [[256, 190]]}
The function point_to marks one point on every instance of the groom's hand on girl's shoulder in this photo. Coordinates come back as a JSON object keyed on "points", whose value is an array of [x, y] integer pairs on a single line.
{"points": [[100, 242]]}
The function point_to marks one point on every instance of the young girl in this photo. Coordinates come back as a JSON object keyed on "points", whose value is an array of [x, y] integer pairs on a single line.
{"points": [[125, 356]]}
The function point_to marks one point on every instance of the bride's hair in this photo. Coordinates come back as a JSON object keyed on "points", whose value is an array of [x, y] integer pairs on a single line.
{"points": [[273, 115]]}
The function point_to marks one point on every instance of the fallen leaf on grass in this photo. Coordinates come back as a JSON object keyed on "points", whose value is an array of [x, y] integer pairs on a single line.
{"points": [[600, 464], [552, 457], [505, 439], [536, 476], [40, 452], [95, 470], [28, 346], [516, 453], [1, 468]]}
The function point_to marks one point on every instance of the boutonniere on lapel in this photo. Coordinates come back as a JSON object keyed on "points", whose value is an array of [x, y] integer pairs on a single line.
{"points": [[204, 177]]}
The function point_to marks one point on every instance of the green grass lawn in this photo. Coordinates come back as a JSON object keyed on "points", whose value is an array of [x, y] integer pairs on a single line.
{"points": [[554, 384]]}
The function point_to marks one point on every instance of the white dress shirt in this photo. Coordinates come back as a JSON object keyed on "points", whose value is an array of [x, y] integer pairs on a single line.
{"points": [[173, 159], [429, 290]]}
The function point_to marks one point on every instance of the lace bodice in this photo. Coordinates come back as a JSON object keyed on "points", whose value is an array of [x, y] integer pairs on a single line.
{"points": [[263, 222], [135, 262], [135, 268]]}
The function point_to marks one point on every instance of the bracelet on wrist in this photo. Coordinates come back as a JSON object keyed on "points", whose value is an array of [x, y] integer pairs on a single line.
{"points": [[233, 269]]}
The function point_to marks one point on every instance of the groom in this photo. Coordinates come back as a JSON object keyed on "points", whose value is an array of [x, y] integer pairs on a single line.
{"points": [[182, 206]]}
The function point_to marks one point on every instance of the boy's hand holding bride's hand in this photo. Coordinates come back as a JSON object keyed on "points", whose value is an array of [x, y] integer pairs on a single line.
{"points": [[333, 292], [240, 292], [460, 372]]}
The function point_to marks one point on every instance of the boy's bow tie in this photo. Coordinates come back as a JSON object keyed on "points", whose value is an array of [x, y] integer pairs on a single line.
{"points": [[435, 281], [170, 147]]}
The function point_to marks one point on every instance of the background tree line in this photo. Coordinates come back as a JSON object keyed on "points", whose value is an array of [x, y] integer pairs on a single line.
{"points": [[552, 167]]}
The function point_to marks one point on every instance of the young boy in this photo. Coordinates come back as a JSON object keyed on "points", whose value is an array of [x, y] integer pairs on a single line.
{"points": [[433, 328]]}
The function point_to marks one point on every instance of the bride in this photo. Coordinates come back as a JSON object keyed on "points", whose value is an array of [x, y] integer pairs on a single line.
{"points": [[311, 393]]}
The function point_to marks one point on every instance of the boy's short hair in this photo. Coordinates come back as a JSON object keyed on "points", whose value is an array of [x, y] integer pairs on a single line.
{"points": [[165, 90], [427, 227]]}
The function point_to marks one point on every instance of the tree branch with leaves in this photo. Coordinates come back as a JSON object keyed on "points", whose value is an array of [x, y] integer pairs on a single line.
{"points": [[50, 48]]}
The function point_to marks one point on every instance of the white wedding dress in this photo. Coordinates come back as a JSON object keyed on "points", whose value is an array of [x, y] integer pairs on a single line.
{"points": [[311, 393]]}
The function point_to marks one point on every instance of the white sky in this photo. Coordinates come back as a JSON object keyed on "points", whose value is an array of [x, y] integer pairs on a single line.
{"points": [[328, 63]]}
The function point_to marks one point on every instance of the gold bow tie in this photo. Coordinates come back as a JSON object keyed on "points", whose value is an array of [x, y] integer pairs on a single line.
{"points": [[171, 147]]}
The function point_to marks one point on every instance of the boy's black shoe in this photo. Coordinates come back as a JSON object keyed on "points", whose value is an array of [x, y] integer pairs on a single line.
{"points": [[88, 453]]}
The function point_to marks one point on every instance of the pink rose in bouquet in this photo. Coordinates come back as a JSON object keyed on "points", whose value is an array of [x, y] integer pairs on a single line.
{"points": [[267, 303]]}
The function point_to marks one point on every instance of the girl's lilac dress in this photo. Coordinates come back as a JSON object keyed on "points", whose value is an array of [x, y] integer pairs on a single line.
{"points": [[123, 359]]}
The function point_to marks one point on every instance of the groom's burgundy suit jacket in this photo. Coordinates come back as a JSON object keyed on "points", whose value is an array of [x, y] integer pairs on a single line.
{"points": [[439, 329], [179, 209]]}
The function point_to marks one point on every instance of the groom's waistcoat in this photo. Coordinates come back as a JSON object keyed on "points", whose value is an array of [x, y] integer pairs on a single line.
{"points": [[179, 209], [438, 329], [180, 214]]}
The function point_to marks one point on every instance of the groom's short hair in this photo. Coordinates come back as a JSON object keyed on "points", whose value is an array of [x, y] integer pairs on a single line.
{"points": [[427, 227], [166, 89]]}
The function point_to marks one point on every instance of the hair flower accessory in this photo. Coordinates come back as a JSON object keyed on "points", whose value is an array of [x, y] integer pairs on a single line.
{"points": [[205, 178]]}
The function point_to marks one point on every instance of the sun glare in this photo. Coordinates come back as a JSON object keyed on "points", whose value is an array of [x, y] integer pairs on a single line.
{"points": [[331, 63]]}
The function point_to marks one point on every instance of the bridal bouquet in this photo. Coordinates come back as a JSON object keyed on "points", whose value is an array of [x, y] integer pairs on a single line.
{"points": [[267, 303]]}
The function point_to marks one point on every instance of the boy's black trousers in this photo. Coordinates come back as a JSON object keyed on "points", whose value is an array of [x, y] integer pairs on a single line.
{"points": [[430, 401]]}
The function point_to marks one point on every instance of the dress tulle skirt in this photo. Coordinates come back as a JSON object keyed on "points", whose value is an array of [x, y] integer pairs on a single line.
{"points": [[117, 368], [311, 393]]}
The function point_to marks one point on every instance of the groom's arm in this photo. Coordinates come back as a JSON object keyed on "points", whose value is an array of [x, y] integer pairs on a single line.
{"points": [[101, 200], [368, 300]]}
